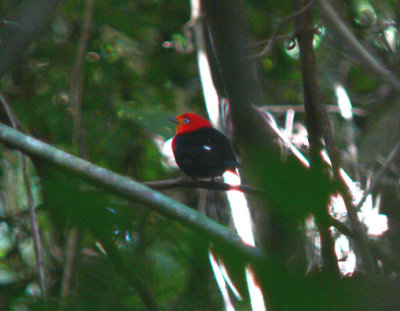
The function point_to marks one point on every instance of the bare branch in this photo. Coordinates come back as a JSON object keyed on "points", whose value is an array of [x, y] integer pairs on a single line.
{"points": [[37, 242], [317, 123], [131, 190], [201, 184], [342, 227], [281, 24], [74, 234], [72, 249], [297, 108], [76, 77], [320, 122], [392, 156]]}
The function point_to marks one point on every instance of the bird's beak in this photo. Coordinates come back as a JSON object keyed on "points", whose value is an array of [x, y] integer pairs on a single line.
{"points": [[174, 119]]}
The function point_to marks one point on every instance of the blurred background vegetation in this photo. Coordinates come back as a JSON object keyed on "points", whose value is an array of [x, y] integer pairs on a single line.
{"points": [[130, 83]]}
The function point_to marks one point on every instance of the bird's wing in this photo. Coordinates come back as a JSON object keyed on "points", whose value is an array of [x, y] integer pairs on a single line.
{"points": [[204, 151], [200, 155]]}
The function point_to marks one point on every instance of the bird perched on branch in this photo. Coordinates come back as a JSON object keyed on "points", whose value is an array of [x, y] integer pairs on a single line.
{"points": [[199, 149]]}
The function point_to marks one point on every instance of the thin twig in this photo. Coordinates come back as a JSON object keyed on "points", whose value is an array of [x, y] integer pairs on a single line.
{"points": [[342, 227], [335, 23], [76, 76], [320, 116], [74, 234], [37, 242], [281, 24], [202, 184], [360, 236], [381, 172], [298, 108], [35, 227], [71, 250]]}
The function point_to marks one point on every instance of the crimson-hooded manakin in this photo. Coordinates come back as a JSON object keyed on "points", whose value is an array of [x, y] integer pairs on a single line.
{"points": [[200, 150]]}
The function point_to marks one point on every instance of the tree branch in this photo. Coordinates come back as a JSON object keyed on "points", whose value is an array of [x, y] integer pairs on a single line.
{"points": [[392, 156], [132, 190], [74, 234], [281, 24], [37, 241], [319, 121], [298, 108], [201, 184], [316, 120], [286, 180], [342, 227], [76, 80]]}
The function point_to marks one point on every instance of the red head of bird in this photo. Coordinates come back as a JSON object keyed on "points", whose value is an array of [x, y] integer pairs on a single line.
{"points": [[189, 122]]}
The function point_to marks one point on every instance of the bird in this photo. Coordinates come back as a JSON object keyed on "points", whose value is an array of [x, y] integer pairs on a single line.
{"points": [[200, 150]]}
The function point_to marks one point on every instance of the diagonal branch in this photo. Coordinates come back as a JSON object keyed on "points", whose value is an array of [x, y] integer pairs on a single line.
{"points": [[131, 190], [37, 242], [278, 28], [392, 156], [335, 23]]}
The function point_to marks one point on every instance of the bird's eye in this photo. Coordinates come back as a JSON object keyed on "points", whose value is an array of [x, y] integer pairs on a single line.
{"points": [[186, 121]]}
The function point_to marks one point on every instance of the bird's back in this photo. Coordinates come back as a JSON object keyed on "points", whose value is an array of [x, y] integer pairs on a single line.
{"points": [[204, 153]]}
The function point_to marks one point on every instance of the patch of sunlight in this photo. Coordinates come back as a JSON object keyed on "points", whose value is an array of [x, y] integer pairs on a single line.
{"points": [[343, 102], [390, 34], [346, 256], [166, 151], [221, 282], [368, 214], [242, 219], [376, 223], [5, 242], [210, 92], [240, 210], [256, 295]]}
